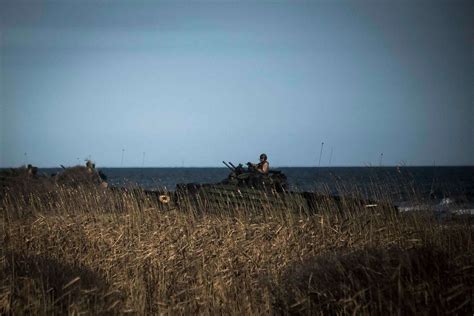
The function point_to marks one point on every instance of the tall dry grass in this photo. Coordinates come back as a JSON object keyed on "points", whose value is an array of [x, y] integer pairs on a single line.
{"points": [[96, 251]]}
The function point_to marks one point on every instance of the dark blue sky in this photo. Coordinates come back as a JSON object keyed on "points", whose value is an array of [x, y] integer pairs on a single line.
{"points": [[198, 82]]}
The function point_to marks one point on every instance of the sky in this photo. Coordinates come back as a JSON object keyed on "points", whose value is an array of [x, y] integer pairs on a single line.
{"points": [[192, 83]]}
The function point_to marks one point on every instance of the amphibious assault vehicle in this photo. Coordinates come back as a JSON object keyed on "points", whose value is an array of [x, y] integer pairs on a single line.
{"points": [[241, 177], [247, 189]]}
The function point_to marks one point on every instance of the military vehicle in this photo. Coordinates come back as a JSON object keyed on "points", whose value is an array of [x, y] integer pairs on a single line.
{"points": [[247, 189], [244, 187]]}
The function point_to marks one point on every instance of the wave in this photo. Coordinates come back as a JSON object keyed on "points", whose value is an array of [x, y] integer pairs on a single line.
{"points": [[445, 205]]}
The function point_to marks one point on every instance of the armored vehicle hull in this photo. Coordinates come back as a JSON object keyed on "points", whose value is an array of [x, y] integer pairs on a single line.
{"points": [[245, 189]]}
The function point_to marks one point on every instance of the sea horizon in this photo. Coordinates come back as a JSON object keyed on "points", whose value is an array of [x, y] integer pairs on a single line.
{"points": [[223, 167]]}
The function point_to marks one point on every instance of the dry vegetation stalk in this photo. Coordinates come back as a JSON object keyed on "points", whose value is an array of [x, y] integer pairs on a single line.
{"points": [[89, 250]]}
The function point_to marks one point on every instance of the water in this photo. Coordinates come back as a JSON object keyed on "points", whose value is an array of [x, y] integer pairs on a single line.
{"points": [[437, 186]]}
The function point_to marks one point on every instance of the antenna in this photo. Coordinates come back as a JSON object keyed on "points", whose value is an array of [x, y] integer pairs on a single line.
{"points": [[320, 154], [330, 157], [433, 181]]}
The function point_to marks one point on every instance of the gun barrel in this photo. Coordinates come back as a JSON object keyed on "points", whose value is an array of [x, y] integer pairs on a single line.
{"points": [[230, 163], [227, 165]]}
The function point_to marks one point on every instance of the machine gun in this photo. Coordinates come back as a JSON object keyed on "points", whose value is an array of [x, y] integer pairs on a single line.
{"points": [[237, 170], [225, 163]]}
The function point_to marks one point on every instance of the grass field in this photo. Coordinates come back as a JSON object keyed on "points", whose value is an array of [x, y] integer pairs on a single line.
{"points": [[86, 250]]}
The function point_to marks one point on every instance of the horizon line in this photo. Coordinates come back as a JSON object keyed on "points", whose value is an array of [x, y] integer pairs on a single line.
{"points": [[223, 167]]}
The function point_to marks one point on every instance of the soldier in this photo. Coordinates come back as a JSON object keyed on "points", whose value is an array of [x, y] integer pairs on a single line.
{"points": [[90, 166], [32, 171], [263, 166]]}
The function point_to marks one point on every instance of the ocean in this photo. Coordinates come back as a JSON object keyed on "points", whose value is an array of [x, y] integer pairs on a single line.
{"points": [[437, 186]]}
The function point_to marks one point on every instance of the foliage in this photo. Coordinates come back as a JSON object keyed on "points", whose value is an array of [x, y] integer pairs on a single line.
{"points": [[73, 249]]}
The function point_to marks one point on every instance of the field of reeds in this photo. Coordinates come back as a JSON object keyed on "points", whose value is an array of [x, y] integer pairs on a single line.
{"points": [[90, 250]]}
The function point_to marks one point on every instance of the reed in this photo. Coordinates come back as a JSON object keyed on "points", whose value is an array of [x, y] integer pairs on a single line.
{"points": [[82, 249]]}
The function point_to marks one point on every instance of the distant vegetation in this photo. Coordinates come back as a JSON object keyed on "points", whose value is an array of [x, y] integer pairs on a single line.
{"points": [[88, 249]]}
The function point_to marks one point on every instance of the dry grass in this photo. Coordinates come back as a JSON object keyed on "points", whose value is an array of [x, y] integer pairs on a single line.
{"points": [[94, 251]]}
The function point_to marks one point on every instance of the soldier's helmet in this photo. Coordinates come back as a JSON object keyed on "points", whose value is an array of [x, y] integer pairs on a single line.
{"points": [[263, 156]]}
